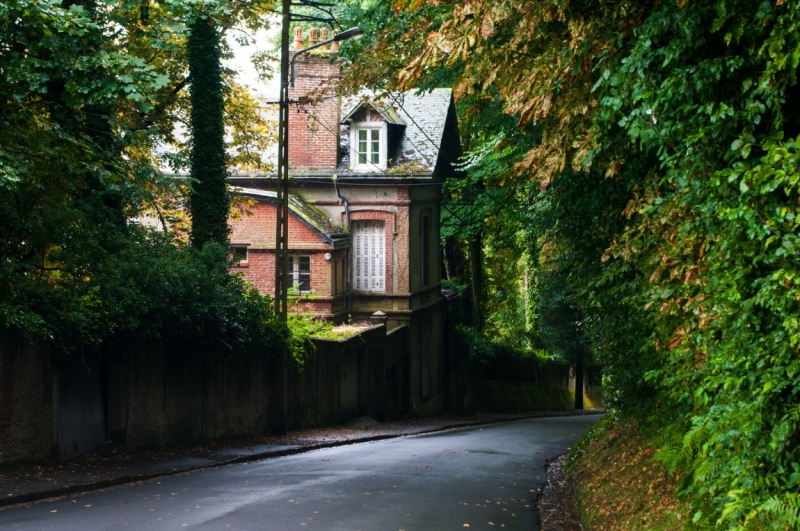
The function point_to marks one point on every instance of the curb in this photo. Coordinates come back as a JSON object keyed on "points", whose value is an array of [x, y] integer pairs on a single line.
{"points": [[31, 497]]}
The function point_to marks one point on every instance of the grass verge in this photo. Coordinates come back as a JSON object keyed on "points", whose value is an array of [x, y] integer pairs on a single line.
{"points": [[619, 486]]}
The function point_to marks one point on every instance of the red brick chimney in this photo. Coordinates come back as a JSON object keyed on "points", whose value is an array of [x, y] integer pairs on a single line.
{"points": [[314, 127]]}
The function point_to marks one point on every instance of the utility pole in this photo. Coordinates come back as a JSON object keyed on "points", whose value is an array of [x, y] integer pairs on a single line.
{"points": [[282, 216], [279, 411], [282, 281]]}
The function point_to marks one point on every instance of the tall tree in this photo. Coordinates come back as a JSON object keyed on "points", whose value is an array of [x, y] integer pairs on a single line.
{"points": [[209, 199]]}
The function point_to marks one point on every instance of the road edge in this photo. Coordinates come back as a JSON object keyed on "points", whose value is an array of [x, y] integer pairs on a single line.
{"points": [[81, 488]]}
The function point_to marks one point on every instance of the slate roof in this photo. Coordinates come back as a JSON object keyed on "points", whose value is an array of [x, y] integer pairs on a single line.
{"points": [[424, 115], [309, 215]]}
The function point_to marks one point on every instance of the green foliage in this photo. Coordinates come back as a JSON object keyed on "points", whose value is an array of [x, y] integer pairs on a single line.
{"points": [[716, 237], [560, 321], [209, 200], [665, 196], [497, 359], [150, 287], [479, 349], [390, 37], [783, 508], [578, 216], [301, 329], [88, 90]]}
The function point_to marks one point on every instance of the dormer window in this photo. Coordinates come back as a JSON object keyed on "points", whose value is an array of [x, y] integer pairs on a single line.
{"points": [[369, 146], [375, 134]]}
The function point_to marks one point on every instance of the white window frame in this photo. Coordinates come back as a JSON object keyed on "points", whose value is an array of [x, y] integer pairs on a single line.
{"points": [[369, 256], [294, 273], [355, 128]]}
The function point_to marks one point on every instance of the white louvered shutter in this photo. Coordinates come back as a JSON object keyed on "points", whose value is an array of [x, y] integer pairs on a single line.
{"points": [[369, 256]]}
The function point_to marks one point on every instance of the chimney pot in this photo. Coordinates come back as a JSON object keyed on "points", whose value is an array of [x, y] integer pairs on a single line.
{"points": [[298, 38], [323, 36], [335, 44], [313, 36]]}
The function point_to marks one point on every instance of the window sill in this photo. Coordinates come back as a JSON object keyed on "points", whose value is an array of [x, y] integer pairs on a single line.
{"points": [[367, 168]]}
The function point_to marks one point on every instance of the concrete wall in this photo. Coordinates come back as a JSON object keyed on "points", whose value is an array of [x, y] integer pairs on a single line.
{"points": [[27, 422], [346, 379], [159, 396]]}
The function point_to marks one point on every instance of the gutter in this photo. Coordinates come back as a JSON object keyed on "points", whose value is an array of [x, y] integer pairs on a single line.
{"points": [[349, 247]]}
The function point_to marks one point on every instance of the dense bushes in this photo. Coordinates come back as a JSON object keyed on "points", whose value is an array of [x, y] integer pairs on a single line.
{"points": [[84, 119], [148, 286]]}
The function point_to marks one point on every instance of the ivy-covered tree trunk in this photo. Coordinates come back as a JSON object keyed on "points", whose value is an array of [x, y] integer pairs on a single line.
{"points": [[209, 201]]}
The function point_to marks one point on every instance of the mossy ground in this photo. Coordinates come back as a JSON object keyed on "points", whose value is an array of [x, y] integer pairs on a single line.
{"points": [[522, 397], [620, 487]]}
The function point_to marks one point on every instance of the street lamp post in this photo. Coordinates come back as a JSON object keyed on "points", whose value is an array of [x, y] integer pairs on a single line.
{"points": [[282, 211], [282, 225]]}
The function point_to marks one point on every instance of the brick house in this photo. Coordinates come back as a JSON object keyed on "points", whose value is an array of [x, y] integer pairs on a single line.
{"points": [[365, 192]]}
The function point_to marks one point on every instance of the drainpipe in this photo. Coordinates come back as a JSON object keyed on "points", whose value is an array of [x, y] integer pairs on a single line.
{"points": [[349, 247]]}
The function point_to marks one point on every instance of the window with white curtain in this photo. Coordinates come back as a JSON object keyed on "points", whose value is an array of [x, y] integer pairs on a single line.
{"points": [[300, 273]]}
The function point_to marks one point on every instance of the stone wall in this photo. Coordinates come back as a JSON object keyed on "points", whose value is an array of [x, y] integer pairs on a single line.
{"points": [[347, 378]]}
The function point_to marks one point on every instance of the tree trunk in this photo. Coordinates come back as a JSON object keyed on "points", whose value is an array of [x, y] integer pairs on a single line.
{"points": [[447, 257], [476, 268], [579, 380]]}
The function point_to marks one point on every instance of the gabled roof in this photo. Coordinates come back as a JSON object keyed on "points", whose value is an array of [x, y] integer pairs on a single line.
{"points": [[306, 213], [387, 113], [425, 115]]}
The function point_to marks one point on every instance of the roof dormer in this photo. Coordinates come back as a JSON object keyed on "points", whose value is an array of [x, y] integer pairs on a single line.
{"points": [[403, 134], [375, 133]]}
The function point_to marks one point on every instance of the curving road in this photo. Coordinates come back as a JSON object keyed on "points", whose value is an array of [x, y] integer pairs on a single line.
{"points": [[482, 478]]}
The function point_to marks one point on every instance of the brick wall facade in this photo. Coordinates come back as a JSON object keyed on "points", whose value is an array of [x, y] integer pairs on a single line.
{"points": [[256, 232]]}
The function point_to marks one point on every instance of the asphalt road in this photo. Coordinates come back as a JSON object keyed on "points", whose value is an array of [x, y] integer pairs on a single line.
{"points": [[484, 477]]}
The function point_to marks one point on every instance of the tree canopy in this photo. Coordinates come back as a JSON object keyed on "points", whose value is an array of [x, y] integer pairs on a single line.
{"points": [[662, 181], [90, 93]]}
